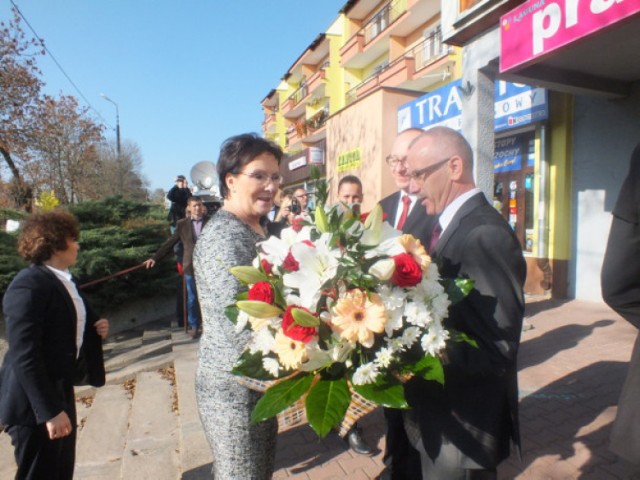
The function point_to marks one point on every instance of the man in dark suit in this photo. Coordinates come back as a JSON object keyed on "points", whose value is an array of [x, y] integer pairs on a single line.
{"points": [[403, 212], [463, 429], [187, 231], [621, 290]]}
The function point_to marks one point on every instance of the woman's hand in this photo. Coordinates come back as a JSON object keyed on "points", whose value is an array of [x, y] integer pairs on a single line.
{"points": [[102, 327], [59, 426]]}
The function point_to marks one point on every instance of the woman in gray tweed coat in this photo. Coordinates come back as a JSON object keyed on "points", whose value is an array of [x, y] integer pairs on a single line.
{"points": [[248, 170]]}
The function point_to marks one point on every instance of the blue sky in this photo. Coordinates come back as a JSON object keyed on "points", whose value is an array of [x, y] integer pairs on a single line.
{"points": [[186, 74]]}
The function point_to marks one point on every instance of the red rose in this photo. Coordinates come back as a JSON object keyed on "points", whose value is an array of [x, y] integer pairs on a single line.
{"points": [[262, 292], [295, 331], [296, 224], [408, 272], [266, 266], [290, 264]]}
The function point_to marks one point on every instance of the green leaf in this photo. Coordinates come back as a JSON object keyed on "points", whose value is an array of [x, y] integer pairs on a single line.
{"points": [[430, 368], [457, 289], [304, 319], [258, 309], [231, 311], [250, 365], [326, 404], [458, 336], [280, 396], [388, 392]]}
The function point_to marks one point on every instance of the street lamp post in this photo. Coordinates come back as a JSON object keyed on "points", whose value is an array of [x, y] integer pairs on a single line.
{"points": [[117, 123]]}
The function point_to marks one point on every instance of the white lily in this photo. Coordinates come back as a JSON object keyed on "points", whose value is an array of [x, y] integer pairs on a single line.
{"points": [[317, 264]]}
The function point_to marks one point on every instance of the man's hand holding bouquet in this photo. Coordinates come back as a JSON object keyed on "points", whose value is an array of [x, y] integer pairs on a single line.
{"points": [[341, 305]]}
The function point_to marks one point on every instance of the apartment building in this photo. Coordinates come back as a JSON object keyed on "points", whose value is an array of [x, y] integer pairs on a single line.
{"points": [[336, 106]]}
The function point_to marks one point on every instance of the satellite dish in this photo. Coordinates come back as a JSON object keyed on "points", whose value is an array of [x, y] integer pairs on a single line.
{"points": [[204, 175]]}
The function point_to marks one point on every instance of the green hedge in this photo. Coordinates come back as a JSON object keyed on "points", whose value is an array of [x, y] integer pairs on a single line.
{"points": [[115, 234]]}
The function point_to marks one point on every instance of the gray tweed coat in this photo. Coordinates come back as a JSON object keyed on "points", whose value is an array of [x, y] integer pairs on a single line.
{"points": [[240, 450]]}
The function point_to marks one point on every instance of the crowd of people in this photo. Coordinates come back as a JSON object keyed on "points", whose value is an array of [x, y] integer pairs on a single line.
{"points": [[460, 430]]}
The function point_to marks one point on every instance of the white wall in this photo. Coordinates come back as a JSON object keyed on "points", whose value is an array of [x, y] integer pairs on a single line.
{"points": [[605, 134]]}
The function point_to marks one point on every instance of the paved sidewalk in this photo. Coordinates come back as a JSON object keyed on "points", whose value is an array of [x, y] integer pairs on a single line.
{"points": [[572, 362], [572, 366]]}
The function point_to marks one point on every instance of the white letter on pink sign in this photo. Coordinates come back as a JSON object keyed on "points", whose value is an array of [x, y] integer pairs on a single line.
{"points": [[571, 13], [554, 14], [599, 6]]}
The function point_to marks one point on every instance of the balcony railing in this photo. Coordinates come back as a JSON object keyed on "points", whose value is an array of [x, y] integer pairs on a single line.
{"points": [[430, 49], [381, 20], [297, 96]]}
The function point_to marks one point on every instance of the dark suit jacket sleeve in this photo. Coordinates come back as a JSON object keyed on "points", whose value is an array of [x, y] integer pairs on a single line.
{"points": [[24, 308], [620, 276], [492, 313], [167, 246]]}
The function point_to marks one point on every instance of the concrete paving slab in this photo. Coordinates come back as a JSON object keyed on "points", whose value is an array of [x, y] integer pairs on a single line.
{"points": [[195, 454], [104, 432], [152, 440]]}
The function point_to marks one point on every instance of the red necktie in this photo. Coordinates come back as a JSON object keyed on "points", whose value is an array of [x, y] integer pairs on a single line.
{"points": [[405, 212], [435, 236]]}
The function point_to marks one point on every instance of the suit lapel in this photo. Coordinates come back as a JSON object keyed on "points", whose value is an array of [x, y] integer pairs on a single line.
{"points": [[415, 216], [469, 206], [392, 208]]}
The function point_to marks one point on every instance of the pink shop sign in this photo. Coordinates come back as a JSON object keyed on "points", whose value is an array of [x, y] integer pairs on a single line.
{"points": [[538, 27]]}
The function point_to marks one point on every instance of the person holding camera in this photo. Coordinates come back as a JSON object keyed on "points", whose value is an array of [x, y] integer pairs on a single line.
{"points": [[289, 208]]}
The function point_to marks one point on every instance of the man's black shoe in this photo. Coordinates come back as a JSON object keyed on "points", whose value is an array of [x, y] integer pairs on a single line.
{"points": [[357, 443]]}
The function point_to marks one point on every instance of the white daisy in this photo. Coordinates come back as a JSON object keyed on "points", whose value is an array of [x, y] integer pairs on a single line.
{"points": [[271, 365], [365, 374]]}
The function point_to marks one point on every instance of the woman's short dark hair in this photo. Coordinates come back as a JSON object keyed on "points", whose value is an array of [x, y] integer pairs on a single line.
{"points": [[43, 234], [240, 150]]}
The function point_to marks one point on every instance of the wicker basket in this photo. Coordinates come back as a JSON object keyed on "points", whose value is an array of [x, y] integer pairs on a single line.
{"points": [[295, 414]]}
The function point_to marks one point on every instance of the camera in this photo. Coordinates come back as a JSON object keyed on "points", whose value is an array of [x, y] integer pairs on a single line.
{"points": [[295, 207]]}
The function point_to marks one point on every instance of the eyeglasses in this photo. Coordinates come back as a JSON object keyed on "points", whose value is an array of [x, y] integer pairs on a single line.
{"points": [[395, 161], [422, 174], [302, 195], [263, 178]]}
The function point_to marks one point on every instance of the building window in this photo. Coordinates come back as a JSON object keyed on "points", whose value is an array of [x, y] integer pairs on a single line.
{"points": [[379, 22], [467, 4], [432, 45]]}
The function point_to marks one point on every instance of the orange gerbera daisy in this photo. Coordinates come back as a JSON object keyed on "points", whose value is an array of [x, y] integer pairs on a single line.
{"points": [[414, 247], [357, 316]]}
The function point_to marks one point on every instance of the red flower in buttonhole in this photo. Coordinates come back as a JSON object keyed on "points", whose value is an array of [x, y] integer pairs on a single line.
{"points": [[408, 272], [296, 224], [262, 292], [295, 331], [290, 264], [266, 266]]}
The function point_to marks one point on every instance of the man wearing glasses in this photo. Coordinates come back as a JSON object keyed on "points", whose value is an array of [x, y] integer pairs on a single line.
{"points": [[463, 429], [403, 212]]}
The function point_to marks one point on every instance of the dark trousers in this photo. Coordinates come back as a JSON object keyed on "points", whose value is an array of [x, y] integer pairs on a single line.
{"points": [[38, 457], [401, 460], [446, 465]]}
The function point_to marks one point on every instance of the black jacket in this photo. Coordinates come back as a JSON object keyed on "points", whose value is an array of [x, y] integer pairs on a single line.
{"points": [[40, 364]]}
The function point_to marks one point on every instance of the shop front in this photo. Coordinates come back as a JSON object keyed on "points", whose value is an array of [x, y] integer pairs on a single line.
{"points": [[519, 188]]}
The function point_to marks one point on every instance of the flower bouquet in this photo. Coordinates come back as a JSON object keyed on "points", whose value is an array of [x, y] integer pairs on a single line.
{"points": [[341, 306]]}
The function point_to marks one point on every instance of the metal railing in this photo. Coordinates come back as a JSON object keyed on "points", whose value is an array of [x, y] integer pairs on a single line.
{"points": [[423, 53], [297, 96], [381, 20]]}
